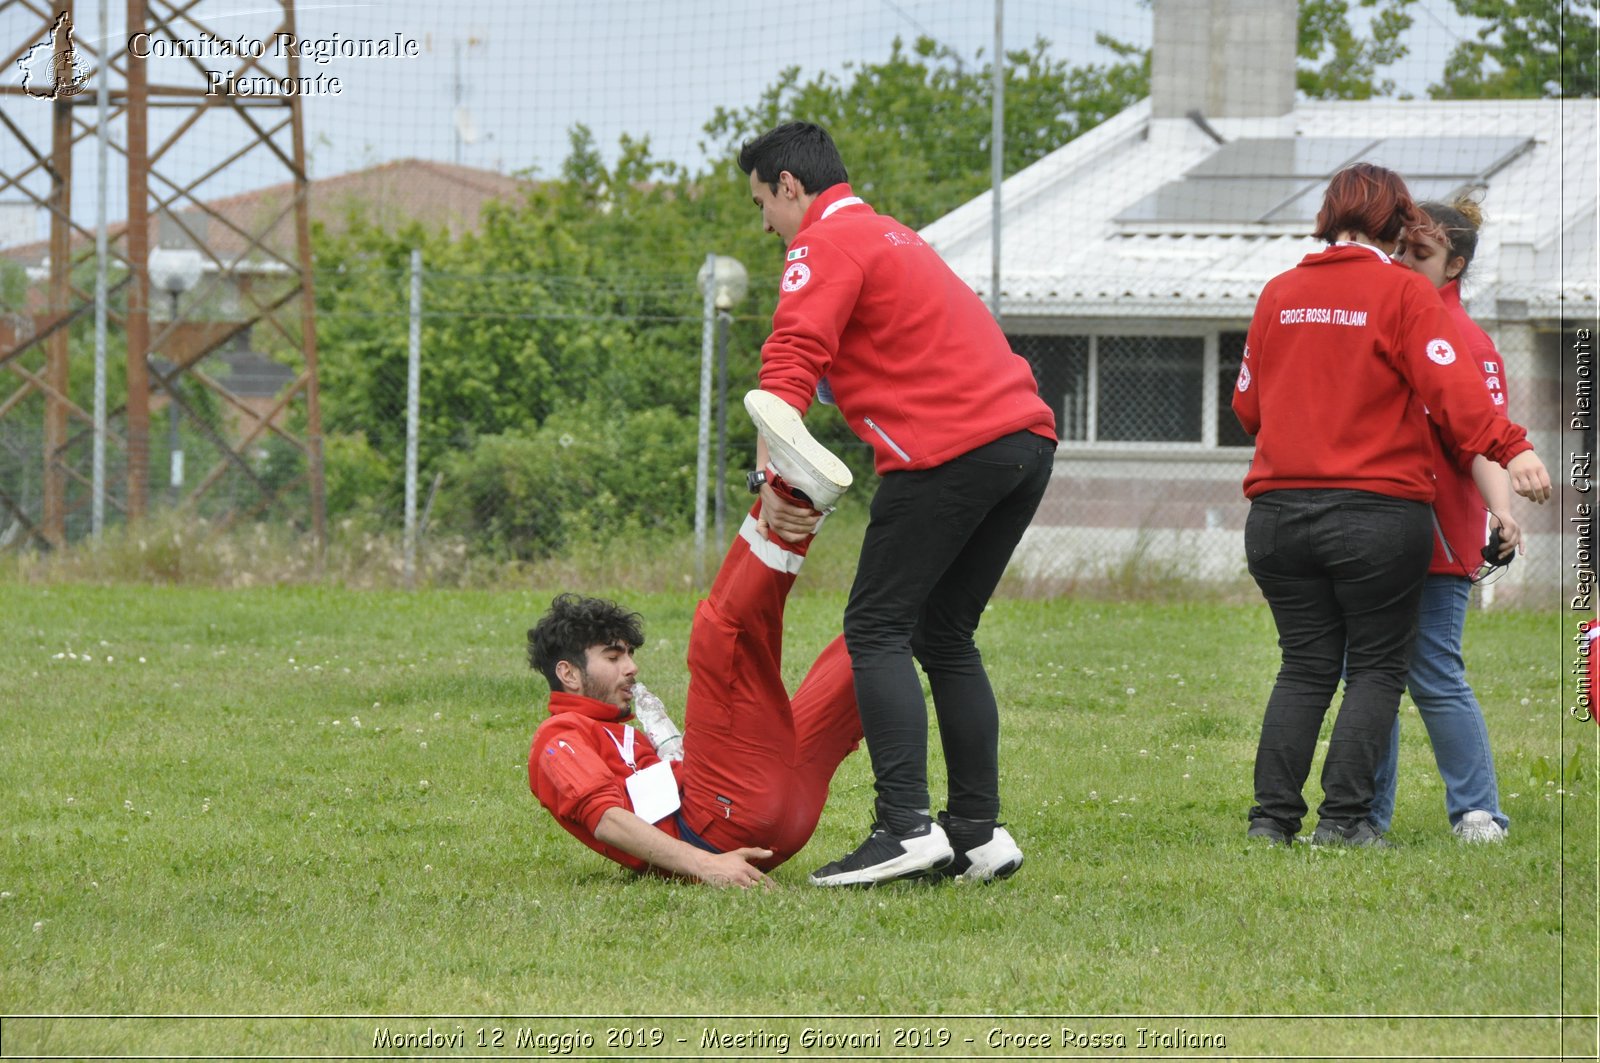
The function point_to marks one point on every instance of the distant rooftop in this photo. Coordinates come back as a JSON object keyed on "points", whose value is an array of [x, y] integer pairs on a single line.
{"points": [[1280, 180], [1154, 218], [434, 193]]}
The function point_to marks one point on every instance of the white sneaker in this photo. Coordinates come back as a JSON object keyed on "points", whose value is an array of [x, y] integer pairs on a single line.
{"points": [[802, 462], [1479, 826], [977, 860], [888, 857], [656, 724]]}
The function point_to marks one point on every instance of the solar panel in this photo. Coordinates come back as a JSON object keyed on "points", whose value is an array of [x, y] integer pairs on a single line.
{"points": [[1304, 207], [1280, 157], [1212, 200], [1444, 156], [1280, 180]]}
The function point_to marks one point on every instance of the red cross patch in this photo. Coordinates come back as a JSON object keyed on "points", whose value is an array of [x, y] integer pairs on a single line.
{"points": [[795, 277]]}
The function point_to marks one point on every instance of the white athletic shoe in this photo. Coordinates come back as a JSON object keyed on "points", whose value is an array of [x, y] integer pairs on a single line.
{"points": [[1479, 826], [804, 464], [656, 724], [888, 857], [985, 851]]}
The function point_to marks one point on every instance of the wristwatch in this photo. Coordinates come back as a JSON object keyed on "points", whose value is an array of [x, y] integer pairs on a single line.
{"points": [[754, 479]]}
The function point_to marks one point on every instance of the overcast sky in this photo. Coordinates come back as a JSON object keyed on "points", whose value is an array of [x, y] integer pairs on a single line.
{"points": [[521, 73]]}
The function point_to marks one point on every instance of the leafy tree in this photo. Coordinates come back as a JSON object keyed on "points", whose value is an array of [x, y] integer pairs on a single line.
{"points": [[915, 129], [1526, 48], [560, 378], [13, 287], [1340, 64]]}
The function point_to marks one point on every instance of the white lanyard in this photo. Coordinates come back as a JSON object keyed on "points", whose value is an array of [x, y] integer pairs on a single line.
{"points": [[653, 792], [625, 747]]}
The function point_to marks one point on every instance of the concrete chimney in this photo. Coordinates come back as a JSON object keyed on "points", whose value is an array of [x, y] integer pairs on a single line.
{"points": [[1223, 58]]}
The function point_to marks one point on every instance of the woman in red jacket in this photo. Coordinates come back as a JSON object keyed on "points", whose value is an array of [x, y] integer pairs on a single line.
{"points": [[1464, 486], [1347, 358]]}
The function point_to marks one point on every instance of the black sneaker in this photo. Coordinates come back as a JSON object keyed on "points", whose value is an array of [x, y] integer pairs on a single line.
{"points": [[886, 856], [1361, 834], [984, 849], [1265, 830]]}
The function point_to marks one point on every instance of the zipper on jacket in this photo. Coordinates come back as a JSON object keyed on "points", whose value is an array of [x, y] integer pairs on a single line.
{"points": [[888, 441], [1439, 532]]}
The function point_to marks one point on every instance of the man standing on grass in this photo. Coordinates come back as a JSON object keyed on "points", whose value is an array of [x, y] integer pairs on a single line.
{"points": [[755, 763], [871, 318]]}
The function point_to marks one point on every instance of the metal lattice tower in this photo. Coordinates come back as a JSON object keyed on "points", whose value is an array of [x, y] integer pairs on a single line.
{"points": [[175, 139]]}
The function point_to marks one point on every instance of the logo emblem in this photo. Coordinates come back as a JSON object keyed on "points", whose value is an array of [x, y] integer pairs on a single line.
{"points": [[1244, 378], [795, 277], [1440, 352], [48, 76]]}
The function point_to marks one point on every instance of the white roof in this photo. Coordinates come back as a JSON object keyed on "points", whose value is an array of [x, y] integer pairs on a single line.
{"points": [[1065, 255]]}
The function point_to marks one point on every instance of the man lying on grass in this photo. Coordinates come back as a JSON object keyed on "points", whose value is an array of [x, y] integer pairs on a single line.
{"points": [[756, 763]]}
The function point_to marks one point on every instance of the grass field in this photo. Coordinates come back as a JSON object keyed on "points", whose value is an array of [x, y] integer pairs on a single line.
{"points": [[301, 801]]}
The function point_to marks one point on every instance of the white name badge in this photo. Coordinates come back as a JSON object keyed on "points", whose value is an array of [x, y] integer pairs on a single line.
{"points": [[654, 792]]}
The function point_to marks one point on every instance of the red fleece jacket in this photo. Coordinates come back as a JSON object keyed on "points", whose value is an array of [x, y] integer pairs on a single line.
{"points": [[1348, 357], [576, 771], [911, 356], [1462, 522]]}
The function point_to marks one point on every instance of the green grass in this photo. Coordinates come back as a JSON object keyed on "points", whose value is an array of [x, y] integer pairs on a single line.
{"points": [[207, 831]]}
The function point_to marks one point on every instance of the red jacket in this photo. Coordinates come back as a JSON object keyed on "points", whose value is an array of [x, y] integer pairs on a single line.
{"points": [[577, 771], [1348, 356], [912, 357], [1461, 522]]}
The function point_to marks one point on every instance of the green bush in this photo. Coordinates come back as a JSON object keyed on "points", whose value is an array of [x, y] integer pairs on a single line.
{"points": [[359, 480], [590, 472]]}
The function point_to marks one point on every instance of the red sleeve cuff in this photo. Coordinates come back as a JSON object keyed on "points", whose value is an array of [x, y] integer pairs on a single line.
{"points": [[1512, 450], [786, 390], [590, 812]]}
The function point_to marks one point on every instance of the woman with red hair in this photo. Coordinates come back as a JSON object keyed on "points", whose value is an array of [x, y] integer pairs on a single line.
{"points": [[1348, 357]]}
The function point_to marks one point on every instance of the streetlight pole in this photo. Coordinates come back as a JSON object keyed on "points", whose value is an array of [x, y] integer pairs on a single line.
{"points": [[174, 442], [97, 502], [723, 281], [724, 323], [174, 271]]}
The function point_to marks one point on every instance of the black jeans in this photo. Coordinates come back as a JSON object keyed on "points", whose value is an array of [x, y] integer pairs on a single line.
{"points": [[937, 544], [1343, 572]]}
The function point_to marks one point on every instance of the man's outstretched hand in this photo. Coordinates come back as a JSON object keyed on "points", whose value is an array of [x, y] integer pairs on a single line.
{"points": [[734, 868]]}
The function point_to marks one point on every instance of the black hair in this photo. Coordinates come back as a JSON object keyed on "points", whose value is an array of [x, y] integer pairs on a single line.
{"points": [[572, 625], [804, 149], [1458, 223]]}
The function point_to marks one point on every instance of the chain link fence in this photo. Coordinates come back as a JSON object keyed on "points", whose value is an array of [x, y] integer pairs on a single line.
{"points": [[560, 332]]}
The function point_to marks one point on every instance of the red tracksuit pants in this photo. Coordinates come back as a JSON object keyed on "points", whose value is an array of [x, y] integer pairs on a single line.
{"points": [[756, 762]]}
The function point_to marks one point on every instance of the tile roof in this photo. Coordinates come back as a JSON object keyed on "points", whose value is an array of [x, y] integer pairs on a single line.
{"points": [[435, 193]]}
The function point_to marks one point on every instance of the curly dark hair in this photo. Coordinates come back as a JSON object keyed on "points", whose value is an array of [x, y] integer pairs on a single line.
{"points": [[573, 624]]}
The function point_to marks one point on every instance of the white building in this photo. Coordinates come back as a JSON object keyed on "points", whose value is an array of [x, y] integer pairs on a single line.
{"points": [[1133, 256]]}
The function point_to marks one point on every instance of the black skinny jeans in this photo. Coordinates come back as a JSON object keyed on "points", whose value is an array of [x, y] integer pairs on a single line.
{"points": [[937, 544], [1343, 572]]}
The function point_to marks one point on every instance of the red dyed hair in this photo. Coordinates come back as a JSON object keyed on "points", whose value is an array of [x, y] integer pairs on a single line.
{"points": [[1365, 198]]}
